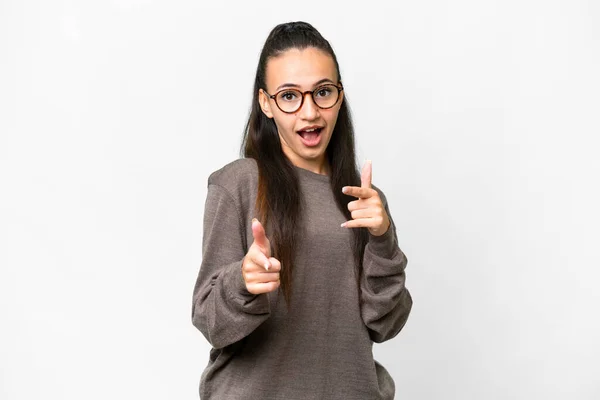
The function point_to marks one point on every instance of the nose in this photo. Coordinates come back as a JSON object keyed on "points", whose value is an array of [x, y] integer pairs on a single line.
{"points": [[309, 109]]}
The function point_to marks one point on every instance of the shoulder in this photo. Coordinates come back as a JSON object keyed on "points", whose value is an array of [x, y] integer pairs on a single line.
{"points": [[239, 181], [235, 174]]}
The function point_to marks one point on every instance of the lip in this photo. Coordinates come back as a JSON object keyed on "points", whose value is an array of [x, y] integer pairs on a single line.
{"points": [[309, 127]]}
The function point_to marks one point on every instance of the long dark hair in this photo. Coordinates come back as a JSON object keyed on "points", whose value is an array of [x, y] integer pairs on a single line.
{"points": [[261, 142]]}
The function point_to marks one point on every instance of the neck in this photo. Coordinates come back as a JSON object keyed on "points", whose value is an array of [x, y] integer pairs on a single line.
{"points": [[320, 167]]}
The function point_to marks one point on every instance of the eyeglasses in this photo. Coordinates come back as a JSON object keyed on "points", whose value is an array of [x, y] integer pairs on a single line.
{"points": [[291, 100]]}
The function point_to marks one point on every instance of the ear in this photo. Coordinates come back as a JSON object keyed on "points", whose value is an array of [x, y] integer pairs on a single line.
{"points": [[263, 101]]}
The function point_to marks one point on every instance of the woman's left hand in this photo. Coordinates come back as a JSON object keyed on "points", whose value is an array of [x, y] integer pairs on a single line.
{"points": [[368, 210]]}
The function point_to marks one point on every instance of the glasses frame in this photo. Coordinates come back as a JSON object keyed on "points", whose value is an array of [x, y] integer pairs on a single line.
{"points": [[312, 95]]}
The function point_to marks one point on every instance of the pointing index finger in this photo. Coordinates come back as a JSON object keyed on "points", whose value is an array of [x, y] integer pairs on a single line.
{"points": [[260, 239]]}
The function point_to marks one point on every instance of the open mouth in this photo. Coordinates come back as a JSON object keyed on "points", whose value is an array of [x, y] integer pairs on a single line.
{"points": [[310, 134], [310, 137]]}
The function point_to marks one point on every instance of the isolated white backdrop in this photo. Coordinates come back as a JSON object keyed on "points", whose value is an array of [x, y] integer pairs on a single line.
{"points": [[481, 118]]}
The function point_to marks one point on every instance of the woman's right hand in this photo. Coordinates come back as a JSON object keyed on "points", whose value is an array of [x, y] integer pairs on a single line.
{"points": [[259, 269]]}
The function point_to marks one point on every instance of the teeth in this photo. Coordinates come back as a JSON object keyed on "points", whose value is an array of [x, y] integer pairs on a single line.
{"points": [[310, 130]]}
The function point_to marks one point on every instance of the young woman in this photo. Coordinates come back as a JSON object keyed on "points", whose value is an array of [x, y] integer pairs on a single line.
{"points": [[301, 270]]}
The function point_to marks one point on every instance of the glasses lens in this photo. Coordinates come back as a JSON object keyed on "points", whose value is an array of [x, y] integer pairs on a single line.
{"points": [[289, 100], [326, 96]]}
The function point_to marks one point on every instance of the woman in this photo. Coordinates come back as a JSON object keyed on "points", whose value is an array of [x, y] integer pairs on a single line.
{"points": [[290, 300]]}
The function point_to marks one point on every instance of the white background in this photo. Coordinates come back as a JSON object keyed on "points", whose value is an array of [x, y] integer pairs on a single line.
{"points": [[481, 118]]}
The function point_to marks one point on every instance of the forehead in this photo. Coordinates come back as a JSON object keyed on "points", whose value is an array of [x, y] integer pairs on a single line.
{"points": [[301, 67]]}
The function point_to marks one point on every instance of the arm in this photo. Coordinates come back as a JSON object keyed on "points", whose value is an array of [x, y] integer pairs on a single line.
{"points": [[223, 310], [386, 302]]}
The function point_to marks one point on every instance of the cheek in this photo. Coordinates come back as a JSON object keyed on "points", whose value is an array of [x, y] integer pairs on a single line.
{"points": [[285, 125], [331, 117]]}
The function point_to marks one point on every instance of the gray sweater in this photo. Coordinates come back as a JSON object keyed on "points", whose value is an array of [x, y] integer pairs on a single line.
{"points": [[320, 349]]}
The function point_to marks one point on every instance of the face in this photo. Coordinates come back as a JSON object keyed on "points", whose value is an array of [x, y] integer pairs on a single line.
{"points": [[303, 70]]}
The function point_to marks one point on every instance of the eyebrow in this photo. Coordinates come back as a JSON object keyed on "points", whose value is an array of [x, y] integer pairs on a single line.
{"points": [[297, 86]]}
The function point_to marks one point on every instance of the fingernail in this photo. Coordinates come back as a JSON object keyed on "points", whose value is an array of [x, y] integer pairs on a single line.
{"points": [[254, 219], [343, 225], [344, 189], [267, 266]]}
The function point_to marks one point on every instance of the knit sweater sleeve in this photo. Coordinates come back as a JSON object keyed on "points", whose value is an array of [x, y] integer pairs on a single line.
{"points": [[223, 310], [386, 302]]}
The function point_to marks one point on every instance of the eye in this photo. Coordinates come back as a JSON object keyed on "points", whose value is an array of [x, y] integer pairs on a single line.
{"points": [[324, 91], [288, 96]]}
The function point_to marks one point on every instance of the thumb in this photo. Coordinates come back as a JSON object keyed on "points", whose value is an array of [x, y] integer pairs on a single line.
{"points": [[366, 174], [260, 237]]}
